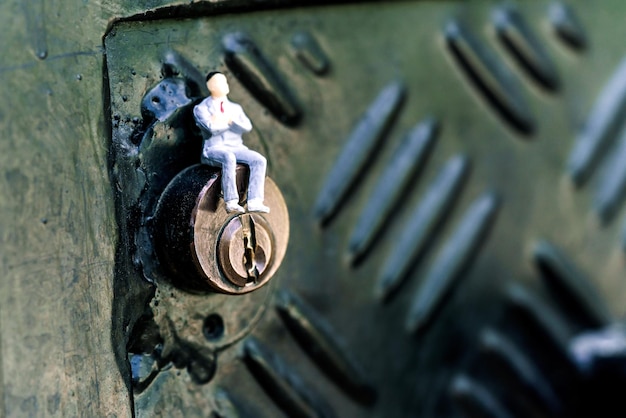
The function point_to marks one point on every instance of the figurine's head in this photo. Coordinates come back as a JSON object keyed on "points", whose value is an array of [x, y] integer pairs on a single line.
{"points": [[217, 84]]}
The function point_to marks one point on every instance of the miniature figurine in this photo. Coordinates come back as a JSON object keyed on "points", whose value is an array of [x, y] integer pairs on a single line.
{"points": [[222, 123]]}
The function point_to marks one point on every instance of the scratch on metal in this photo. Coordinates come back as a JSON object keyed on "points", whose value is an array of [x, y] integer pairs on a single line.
{"points": [[9, 68]]}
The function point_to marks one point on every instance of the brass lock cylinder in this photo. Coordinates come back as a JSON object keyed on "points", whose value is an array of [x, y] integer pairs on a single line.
{"points": [[203, 248]]}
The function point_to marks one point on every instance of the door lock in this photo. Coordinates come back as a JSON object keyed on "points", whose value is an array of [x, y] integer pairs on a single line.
{"points": [[204, 247]]}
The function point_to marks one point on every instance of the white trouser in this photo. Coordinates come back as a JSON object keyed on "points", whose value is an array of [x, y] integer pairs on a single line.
{"points": [[226, 157]]}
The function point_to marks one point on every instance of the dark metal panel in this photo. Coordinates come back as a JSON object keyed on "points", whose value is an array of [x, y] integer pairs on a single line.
{"points": [[57, 229]]}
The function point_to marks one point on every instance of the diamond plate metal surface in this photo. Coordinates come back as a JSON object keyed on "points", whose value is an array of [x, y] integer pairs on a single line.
{"points": [[393, 322]]}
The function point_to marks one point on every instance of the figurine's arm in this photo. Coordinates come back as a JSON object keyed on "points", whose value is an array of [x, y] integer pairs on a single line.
{"points": [[205, 121], [240, 123]]}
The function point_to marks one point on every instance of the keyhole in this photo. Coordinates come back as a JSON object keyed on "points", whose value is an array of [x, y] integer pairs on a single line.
{"points": [[249, 245], [249, 261]]}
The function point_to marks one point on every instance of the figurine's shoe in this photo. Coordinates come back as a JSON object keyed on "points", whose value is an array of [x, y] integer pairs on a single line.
{"points": [[233, 206], [256, 205]]}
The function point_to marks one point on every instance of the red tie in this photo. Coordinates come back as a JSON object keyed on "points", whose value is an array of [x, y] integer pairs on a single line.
{"points": [[222, 107]]}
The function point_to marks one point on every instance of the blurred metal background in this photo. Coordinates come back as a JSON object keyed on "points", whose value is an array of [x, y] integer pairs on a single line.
{"points": [[454, 175]]}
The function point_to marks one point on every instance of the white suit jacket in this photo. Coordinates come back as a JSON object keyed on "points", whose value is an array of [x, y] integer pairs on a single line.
{"points": [[229, 135]]}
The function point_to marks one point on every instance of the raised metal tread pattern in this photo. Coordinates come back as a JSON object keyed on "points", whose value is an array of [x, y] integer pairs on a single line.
{"points": [[454, 214]]}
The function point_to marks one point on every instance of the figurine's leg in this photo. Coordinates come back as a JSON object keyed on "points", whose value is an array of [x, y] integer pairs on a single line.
{"points": [[256, 183], [228, 162], [258, 166]]}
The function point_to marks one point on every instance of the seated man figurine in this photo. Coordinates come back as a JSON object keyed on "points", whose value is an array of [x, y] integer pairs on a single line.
{"points": [[222, 123]]}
